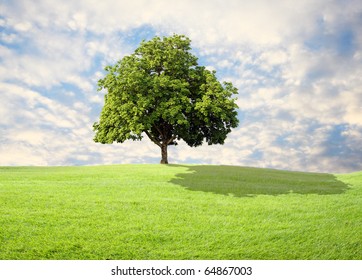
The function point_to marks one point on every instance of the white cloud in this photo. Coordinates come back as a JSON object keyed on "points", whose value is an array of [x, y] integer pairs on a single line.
{"points": [[23, 26], [24, 105], [78, 21], [9, 38], [15, 154], [39, 131]]}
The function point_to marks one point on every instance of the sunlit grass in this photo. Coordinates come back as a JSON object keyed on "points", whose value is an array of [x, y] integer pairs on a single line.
{"points": [[178, 212]]}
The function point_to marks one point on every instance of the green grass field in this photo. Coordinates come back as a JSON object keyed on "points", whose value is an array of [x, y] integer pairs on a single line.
{"points": [[178, 212]]}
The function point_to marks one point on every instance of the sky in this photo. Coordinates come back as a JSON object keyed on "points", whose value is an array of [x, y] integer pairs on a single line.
{"points": [[297, 66]]}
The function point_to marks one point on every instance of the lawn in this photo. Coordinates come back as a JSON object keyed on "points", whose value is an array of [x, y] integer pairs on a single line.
{"points": [[178, 212]]}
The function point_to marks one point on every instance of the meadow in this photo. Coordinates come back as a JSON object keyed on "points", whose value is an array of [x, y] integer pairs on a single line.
{"points": [[178, 212]]}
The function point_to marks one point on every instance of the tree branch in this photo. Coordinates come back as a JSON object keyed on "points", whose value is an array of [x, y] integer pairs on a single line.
{"points": [[171, 140], [153, 139], [159, 131]]}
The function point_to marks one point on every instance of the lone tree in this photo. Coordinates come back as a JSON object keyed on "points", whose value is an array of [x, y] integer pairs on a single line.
{"points": [[160, 90]]}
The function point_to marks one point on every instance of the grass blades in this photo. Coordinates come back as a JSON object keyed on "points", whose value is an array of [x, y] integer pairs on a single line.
{"points": [[178, 212]]}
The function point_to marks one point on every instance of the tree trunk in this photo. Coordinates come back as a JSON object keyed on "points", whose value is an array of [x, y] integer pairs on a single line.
{"points": [[164, 159]]}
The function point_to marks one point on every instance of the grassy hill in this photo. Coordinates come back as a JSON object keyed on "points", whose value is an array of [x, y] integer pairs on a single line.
{"points": [[178, 212]]}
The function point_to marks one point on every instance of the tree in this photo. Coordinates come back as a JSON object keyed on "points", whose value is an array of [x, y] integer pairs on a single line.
{"points": [[161, 91]]}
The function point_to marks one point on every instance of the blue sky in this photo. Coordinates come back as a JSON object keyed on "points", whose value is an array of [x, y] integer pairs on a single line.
{"points": [[298, 68]]}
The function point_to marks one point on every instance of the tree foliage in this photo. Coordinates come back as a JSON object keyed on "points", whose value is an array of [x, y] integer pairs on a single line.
{"points": [[160, 90]]}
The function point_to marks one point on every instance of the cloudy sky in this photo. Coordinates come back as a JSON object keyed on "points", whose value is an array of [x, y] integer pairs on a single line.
{"points": [[297, 65]]}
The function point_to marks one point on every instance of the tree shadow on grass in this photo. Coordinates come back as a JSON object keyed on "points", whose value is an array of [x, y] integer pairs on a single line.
{"points": [[247, 181]]}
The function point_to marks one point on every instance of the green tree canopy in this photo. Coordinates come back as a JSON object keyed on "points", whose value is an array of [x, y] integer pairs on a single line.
{"points": [[160, 90]]}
